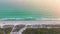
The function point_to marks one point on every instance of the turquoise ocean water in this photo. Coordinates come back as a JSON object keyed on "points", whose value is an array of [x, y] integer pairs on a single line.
{"points": [[20, 10], [11, 11]]}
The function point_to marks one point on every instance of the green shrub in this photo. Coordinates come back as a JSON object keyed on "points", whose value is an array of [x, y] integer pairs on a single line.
{"points": [[42, 31]]}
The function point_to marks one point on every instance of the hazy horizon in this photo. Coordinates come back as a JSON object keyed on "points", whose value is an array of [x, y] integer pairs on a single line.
{"points": [[29, 9]]}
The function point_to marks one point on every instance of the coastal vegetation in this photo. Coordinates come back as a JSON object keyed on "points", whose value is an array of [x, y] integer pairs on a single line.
{"points": [[5, 30], [42, 31]]}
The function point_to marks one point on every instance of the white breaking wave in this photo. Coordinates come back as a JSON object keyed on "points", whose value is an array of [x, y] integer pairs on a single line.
{"points": [[30, 18], [49, 19], [11, 18]]}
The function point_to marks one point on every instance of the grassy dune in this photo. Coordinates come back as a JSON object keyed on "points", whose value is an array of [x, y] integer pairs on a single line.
{"points": [[6, 30], [42, 31], [1, 31]]}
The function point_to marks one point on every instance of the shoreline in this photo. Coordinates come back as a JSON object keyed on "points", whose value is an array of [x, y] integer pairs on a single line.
{"points": [[28, 22]]}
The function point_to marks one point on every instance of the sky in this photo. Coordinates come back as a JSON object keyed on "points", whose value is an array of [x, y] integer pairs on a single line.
{"points": [[29, 8]]}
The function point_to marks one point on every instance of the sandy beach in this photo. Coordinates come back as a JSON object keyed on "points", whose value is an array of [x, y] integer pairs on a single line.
{"points": [[28, 22]]}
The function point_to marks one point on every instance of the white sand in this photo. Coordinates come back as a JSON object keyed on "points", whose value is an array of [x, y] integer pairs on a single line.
{"points": [[28, 22]]}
